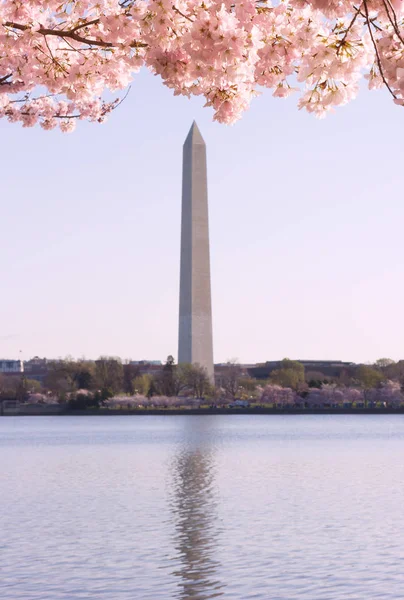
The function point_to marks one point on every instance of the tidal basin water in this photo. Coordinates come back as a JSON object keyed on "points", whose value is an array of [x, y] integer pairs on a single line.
{"points": [[233, 507]]}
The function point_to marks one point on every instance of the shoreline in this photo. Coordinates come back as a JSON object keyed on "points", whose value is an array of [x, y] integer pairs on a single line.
{"points": [[207, 412]]}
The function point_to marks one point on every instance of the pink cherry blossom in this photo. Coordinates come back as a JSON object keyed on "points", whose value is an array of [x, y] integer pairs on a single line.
{"points": [[279, 396], [59, 60]]}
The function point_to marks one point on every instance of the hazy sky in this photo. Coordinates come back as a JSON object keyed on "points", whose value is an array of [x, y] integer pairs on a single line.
{"points": [[306, 225]]}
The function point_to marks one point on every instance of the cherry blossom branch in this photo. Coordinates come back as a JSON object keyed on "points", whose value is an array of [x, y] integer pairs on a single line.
{"points": [[54, 60], [223, 51], [86, 24], [372, 21], [342, 42], [175, 9], [108, 106], [394, 13], [27, 98], [393, 20], [379, 62], [60, 33], [63, 33]]}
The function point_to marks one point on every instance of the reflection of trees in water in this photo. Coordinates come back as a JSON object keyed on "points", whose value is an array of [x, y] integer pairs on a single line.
{"points": [[194, 509]]}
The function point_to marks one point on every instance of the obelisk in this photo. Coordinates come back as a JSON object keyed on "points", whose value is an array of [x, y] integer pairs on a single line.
{"points": [[195, 323]]}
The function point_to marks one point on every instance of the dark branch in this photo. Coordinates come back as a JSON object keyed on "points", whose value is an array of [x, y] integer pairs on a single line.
{"points": [[182, 14], [379, 62], [63, 33], [3, 80], [341, 43], [393, 19], [86, 24]]}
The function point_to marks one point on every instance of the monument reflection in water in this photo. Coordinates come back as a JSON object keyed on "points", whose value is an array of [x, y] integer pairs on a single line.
{"points": [[193, 505]]}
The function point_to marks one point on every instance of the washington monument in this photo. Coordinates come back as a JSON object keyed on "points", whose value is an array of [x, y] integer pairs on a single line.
{"points": [[195, 323]]}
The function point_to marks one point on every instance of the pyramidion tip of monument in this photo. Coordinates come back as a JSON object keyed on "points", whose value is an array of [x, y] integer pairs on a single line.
{"points": [[194, 135]]}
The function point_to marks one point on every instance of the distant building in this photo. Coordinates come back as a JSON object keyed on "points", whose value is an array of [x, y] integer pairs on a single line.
{"points": [[11, 366], [147, 367], [36, 368], [145, 362], [325, 364], [328, 368]]}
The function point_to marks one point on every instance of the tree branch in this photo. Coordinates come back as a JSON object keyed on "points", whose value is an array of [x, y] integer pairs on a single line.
{"points": [[61, 33], [86, 24], [341, 43], [379, 62], [3, 80], [393, 20], [175, 9]]}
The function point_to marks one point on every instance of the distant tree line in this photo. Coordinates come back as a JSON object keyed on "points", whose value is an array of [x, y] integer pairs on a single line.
{"points": [[110, 382], [86, 383]]}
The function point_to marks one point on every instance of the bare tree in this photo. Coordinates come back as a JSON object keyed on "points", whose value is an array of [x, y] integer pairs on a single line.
{"points": [[195, 378], [231, 378], [109, 374]]}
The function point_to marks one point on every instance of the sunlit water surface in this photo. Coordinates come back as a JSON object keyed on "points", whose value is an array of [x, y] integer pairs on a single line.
{"points": [[191, 508]]}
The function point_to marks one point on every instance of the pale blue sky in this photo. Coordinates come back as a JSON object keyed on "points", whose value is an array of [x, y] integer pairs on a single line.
{"points": [[306, 221]]}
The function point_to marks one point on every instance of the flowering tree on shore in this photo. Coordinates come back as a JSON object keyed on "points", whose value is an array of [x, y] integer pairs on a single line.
{"points": [[38, 398], [158, 401], [333, 395], [58, 58], [279, 396], [390, 393], [387, 395]]}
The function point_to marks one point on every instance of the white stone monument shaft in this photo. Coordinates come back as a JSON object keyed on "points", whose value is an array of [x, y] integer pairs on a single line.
{"points": [[195, 323]]}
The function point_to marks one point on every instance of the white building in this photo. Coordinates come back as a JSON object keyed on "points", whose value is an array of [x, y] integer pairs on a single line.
{"points": [[11, 366]]}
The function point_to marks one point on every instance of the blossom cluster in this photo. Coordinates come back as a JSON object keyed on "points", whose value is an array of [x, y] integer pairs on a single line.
{"points": [[141, 401], [58, 59], [389, 394]]}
